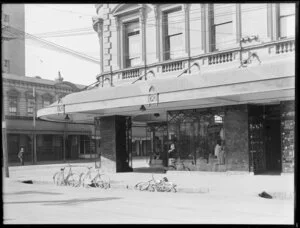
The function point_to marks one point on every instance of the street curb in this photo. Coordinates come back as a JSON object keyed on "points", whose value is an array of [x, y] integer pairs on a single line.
{"points": [[280, 195]]}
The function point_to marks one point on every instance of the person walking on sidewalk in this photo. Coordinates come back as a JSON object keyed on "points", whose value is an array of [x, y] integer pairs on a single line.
{"points": [[21, 155]]}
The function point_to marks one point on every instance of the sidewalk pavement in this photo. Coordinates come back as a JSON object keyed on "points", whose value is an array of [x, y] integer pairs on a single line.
{"points": [[219, 183]]}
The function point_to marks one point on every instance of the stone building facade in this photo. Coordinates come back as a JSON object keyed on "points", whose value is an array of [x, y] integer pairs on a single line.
{"points": [[195, 74]]}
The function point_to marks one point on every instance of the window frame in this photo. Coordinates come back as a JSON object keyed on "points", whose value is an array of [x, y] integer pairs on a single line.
{"points": [[166, 47], [15, 99], [126, 48], [213, 43], [28, 105], [6, 66], [279, 17]]}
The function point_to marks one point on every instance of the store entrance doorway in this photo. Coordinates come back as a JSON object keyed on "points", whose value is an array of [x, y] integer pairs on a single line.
{"points": [[264, 139]]}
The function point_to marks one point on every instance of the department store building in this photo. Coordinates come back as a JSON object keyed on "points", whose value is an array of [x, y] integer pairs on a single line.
{"points": [[191, 74]]}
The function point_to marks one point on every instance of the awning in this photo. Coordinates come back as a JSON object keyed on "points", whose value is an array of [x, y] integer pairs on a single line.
{"points": [[270, 81]]}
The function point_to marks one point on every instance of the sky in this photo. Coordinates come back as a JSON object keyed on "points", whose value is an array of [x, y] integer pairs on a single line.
{"points": [[53, 18]]}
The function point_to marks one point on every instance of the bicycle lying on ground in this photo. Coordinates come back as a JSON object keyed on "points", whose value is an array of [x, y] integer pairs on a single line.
{"points": [[92, 179], [162, 185], [71, 179]]}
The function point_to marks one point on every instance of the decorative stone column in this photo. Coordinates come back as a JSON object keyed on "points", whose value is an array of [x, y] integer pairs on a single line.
{"points": [[143, 34], [187, 28], [98, 27], [157, 26], [119, 30]]}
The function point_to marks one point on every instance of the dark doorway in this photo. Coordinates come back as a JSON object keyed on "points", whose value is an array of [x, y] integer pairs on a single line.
{"points": [[264, 139], [272, 138], [123, 144]]}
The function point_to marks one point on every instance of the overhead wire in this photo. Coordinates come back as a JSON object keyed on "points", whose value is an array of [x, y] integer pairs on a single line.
{"points": [[113, 27], [23, 34], [88, 28], [232, 41]]}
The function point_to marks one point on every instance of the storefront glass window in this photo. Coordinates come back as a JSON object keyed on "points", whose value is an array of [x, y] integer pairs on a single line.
{"points": [[196, 132]]}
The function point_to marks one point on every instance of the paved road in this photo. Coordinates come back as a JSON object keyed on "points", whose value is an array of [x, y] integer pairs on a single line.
{"points": [[49, 204]]}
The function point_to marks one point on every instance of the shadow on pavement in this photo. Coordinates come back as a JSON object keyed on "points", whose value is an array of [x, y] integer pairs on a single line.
{"points": [[33, 192], [148, 170], [70, 202]]}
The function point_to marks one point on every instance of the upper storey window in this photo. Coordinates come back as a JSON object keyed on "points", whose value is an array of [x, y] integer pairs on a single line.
{"points": [[12, 105], [131, 34], [30, 106], [222, 26], [132, 44], [286, 20], [173, 27]]}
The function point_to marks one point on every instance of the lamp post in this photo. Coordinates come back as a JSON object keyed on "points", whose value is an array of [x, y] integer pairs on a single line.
{"points": [[67, 118]]}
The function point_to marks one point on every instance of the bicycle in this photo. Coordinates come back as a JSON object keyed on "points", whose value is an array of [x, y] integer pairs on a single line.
{"points": [[152, 185], [99, 180], [71, 179]]}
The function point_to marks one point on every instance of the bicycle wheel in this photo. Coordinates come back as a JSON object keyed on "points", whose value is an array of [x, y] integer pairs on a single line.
{"points": [[137, 186], [81, 177], [142, 186], [173, 188], [59, 179], [73, 180], [99, 183], [106, 180], [152, 188], [86, 181], [55, 176]]}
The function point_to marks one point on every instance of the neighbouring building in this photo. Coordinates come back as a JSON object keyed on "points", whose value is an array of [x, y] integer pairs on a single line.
{"points": [[192, 75], [13, 47], [22, 96]]}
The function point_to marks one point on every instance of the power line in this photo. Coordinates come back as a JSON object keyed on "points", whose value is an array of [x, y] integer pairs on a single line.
{"points": [[22, 34], [88, 30]]}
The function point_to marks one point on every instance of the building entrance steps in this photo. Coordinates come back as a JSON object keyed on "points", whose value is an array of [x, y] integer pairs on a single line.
{"points": [[220, 183]]}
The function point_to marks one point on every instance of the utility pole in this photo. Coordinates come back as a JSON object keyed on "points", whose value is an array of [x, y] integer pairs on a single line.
{"points": [[4, 136], [4, 143], [34, 129]]}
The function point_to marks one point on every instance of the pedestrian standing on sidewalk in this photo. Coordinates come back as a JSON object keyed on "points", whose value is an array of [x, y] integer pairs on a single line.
{"points": [[218, 151], [172, 154], [21, 155]]}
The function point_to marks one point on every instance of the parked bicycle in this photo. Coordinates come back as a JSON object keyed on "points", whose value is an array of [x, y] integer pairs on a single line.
{"points": [[159, 185], [71, 179], [91, 179]]}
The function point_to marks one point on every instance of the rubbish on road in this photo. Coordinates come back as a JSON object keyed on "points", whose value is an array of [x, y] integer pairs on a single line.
{"points": [[265, 195], [27, 182]]}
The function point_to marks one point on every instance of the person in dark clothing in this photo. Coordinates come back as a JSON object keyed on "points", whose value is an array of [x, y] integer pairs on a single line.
{"points": [[21, 156], [172, 151], [172, 154]]}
